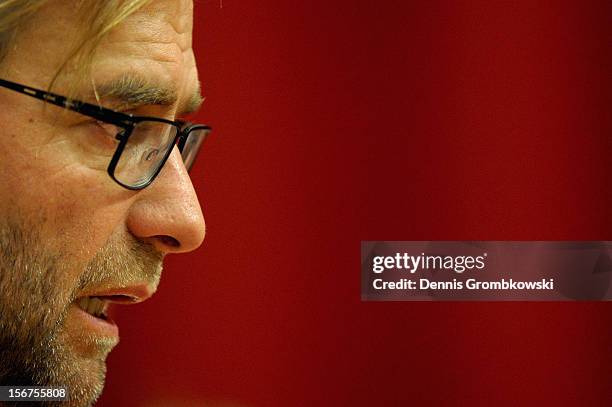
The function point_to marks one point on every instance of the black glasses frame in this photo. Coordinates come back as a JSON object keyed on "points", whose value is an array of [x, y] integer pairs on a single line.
{"points": [[125, 121]]}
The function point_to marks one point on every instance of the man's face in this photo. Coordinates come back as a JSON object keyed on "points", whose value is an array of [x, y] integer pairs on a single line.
{"points": [[72, 240]]}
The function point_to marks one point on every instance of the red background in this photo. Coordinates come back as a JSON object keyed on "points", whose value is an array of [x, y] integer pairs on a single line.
{"points": [[341, 121]]}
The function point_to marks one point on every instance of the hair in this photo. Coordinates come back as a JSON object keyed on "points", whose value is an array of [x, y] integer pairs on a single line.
{"points": [[98, 18]]}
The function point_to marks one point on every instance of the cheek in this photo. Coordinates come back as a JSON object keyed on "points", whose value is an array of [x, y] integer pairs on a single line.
{"points": [[86, 213], [75, 209]]}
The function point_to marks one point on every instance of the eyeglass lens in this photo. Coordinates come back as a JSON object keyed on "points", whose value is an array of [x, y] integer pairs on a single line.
{"points": [[145, 152], [192, 146]]}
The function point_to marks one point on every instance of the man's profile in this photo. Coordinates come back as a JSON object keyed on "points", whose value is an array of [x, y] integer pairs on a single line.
{"points": [[95, 190]]}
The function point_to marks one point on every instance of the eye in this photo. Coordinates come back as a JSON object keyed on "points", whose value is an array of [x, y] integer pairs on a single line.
{"points": [[110, 129], [105, 134]]}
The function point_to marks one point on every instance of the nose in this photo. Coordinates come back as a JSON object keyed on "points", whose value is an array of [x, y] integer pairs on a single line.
{"points": [[167, 213]]}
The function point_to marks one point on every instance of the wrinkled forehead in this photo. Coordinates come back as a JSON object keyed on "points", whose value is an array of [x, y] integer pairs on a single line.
{"points": [[153, 47], [154, 43], [157, 22]]}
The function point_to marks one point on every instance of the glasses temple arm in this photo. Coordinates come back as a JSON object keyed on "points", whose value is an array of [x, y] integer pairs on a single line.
{"points": [[88, 109]]}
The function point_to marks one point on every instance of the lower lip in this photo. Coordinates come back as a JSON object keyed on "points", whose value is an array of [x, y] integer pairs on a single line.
{"points": [[102, 327]]}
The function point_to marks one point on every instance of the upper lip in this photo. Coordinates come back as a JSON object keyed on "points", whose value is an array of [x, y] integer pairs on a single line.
{"points": [[122, 295]]}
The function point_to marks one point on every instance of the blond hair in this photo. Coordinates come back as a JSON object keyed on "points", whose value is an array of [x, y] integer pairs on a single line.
{"points": [[98, 18]]}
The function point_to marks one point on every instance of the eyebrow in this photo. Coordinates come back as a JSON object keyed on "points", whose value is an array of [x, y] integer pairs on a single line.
{"points": [[131, 91]]}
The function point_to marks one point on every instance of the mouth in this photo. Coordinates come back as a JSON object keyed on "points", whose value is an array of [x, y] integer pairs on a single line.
{"points": [[94, 306], [91, 311], [92, 314]]}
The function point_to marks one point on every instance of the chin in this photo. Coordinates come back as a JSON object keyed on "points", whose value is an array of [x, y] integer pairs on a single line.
{"points": [[85, 383], [82, 369]]}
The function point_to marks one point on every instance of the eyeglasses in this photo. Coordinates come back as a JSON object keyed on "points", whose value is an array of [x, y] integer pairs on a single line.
{"points": [[143, 144]]}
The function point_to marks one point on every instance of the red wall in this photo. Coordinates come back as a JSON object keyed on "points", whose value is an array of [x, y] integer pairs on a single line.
{"points": [[340, 121]]}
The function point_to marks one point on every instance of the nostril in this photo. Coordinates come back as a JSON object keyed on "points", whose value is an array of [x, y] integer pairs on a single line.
{"points": [[169, 241]]}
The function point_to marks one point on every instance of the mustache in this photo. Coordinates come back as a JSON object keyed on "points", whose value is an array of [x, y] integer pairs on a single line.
{"points": [[122, 262]]}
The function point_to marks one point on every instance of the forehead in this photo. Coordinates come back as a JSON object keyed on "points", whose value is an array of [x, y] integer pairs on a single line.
{"points": [[161, 27], [153, 43]]}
